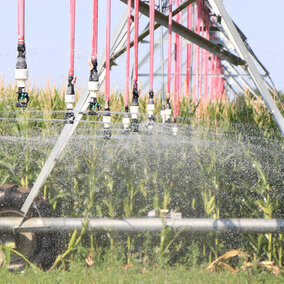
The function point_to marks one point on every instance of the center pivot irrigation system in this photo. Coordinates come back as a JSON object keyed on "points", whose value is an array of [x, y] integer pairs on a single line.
{"points": [[216, 56]]}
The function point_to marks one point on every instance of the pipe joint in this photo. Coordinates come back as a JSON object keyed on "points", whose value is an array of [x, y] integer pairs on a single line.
{"points": [[94, 106], [93, 66], [21, 58], [135, 101]]}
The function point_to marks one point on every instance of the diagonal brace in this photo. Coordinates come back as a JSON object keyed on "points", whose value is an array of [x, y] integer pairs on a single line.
{"points": [[184, 32]]}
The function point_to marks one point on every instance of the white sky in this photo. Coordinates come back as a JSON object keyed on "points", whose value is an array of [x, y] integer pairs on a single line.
{"points": [[47, 37]]}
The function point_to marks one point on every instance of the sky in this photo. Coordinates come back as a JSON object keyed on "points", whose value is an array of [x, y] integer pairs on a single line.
{"points": [[47, 38]]}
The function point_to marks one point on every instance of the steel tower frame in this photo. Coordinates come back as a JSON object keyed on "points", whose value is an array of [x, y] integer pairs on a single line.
{"points": [[243, 59]]}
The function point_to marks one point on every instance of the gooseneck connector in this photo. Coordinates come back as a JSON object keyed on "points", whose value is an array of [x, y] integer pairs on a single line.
{"points": [[150, 109], [168, 111], [126, 119], [21, 76], [107, 122], [70, 99], [134, 110], [93, 87]]}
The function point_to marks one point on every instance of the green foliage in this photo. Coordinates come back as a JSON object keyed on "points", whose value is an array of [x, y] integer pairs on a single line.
{"points": [[111, 180]]}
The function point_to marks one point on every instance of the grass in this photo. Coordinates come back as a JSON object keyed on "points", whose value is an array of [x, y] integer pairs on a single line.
{"points": [[231, 164], [136, 274]]}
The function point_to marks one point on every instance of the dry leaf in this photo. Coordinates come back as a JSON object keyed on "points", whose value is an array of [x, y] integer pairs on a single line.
{"points": [[219, 263], [89, 259]]}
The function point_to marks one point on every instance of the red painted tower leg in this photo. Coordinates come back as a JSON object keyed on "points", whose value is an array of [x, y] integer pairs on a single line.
{"points": [[176, 70], [21, 72], [188, 49], [150, 105], [198, 49], [107, 117], [126, 95], [135, 103], [107, 84], [70, 93], [136, 31], [95, 30], [152, 32], [93, 84], [206, 66], [167, 111], [72, 37], [169, 53], [21, 21], [180, 61]]}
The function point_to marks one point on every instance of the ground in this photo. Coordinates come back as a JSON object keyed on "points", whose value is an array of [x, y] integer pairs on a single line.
{"points": [[79, 274]]}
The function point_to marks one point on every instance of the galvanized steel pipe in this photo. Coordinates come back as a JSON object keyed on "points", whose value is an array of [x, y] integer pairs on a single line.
{"points": [[145, 224]]}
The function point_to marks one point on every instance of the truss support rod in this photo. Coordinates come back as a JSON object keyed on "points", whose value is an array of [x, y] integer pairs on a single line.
{"points": [[146, 32], [114, 40], [235, 38], [64, 137], [189, 35], [234, 70], [236, 82], [231, 87], [261, 226]]}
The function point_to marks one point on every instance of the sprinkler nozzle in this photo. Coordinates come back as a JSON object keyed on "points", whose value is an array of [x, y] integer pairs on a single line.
{"points": [[168, 111], [23, 98], [134, 125], [69, 117], [21, 58], [134, 109], [93, 65], [150, 109], [107, 123], [21, 76], [135, 101], [94, 107], [126, 119], [70, 93]]}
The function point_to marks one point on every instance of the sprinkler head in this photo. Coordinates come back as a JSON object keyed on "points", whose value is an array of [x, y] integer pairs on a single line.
{"points": [[134, 125], [135, 101], [94, 76], [107, 134], [21, 58], [107, 123], [69, 117], [23, 98], [94, 105]]}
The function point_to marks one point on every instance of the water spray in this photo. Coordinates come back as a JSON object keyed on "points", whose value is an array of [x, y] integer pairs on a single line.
{"points": [[93, 83], [70, 92], [21, 71], [107, 117], [150, 105], [134, 108]]}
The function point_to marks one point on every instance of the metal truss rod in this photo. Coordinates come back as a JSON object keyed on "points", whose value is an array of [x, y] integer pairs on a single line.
{"points": [[140, 225], [231, 70], [239, 45], [230, 86], [237, 83], [146, 32], [190, 35], [63, 139]]}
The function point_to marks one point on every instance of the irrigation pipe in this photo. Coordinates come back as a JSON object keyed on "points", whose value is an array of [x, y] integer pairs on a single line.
{"points": [[139, 225], [126, 95]]}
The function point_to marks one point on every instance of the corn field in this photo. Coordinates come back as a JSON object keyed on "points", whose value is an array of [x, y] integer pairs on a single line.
{"points": [[226, 162]]}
